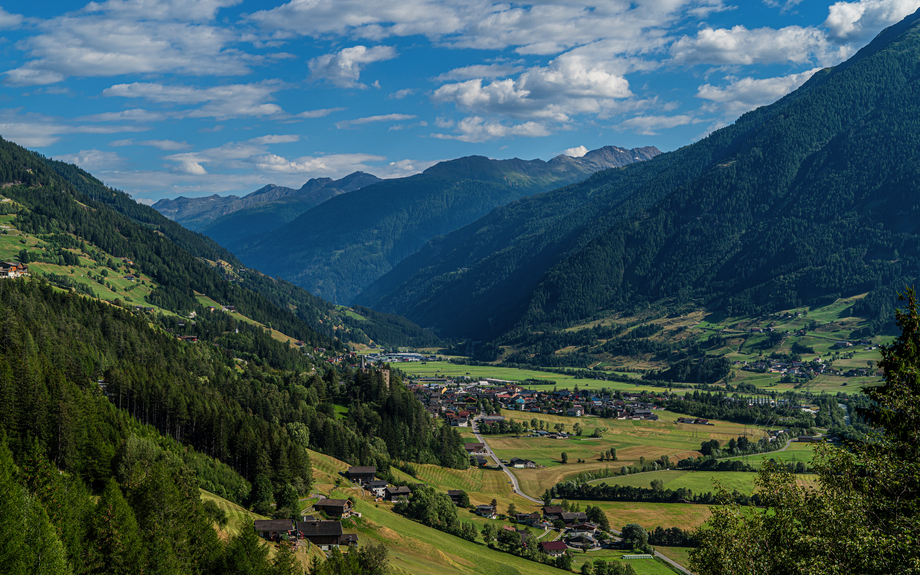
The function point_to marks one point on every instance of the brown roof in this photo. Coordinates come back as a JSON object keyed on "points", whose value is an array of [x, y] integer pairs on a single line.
{"points": [[332, 503], [554, 546], [273, 525], [319, 528], [362, 470], [553, 510]]}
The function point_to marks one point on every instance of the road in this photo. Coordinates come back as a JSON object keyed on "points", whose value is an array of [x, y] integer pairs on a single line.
{"points": [[489, 452], [517, 489]]}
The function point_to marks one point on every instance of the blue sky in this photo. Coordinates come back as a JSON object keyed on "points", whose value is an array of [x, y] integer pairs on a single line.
{"points": [[162, 98]]}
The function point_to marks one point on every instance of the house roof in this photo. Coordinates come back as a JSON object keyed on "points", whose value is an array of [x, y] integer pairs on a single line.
{"points": [[319, 528], [332, 503], [273, 524], [362, 470], [552, 510], [554, 546]]}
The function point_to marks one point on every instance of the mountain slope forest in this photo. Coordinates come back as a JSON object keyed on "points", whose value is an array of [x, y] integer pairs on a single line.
{"points": [[800, 202], [342, 245], [111, 423], [321, 316]]}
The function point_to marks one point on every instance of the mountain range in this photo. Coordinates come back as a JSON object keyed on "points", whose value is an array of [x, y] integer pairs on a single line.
{"points": [[339, 247], [798, 202]]}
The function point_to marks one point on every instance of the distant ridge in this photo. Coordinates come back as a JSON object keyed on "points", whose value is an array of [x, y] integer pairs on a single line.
{"points": [[339, 247], [200, 214]]}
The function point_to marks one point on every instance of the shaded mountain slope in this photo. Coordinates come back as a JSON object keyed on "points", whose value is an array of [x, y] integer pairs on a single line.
{"points": [[344, 244], [797, 202]]}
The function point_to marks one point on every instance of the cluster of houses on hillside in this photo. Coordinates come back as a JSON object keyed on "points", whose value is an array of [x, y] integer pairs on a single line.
{"points": [[811, 368], [458, 404], [13, 270], [324, 533]]}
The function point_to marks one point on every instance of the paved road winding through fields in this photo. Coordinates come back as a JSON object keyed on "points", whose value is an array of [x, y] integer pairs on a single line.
{"points": [[517, 489]]}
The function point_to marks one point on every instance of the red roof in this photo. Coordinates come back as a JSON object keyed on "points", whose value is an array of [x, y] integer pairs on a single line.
{"points": [[554, 546]]}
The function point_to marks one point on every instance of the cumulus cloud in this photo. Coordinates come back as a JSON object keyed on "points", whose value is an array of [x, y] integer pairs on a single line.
{"points": [[575, 152], [744, 94], [740, 45], [400, 94], [220, 102], [343, 68], [860, 21], [475, 129], [186, 10], [93, 160], [571, 83], [330, 164]]}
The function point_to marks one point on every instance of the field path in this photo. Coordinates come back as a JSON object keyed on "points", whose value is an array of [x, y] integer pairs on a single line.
{"points": [[489, 452]]}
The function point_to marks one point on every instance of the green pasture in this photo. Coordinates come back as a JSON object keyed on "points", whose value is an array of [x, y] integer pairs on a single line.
{"points": [[699, 481], [644, 566]]}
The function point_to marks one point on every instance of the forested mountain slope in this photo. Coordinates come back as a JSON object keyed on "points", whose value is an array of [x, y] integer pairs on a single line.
{"points": [[318, 314], [267, 216], [797, 202], [342, 245], [110, 422]]}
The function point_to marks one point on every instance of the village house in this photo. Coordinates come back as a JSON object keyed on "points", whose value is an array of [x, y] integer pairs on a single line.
{"points": [[522, 463], [486, 511], [271, 529], [394, 493], [455, 495], [475, 448], [323, 534], [13, 270], [377, 487], [333, 507], [361, 474], [554, 548]]}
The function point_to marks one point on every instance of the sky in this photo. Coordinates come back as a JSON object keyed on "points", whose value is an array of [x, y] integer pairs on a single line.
{"points": [[168, 98]]}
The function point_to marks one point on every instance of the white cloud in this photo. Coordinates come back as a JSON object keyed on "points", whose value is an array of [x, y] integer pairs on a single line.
{"points": [[344, 67], [318, 113], [185, 10], [190, 167], [475, 129], [132, 37], [371, 119], [330, 164], [9, 21], [576, 152], [538, 28], [400, 94], [167, 145], [480, 71], [861, 21], [647, 125], [38, 130], [221, 102], [135, 115], [740, 45], [745, 94], [93, 160], [572, 83]]}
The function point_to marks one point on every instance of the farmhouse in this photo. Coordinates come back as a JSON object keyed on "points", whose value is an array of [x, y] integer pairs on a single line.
{"points": [[361, 474], [455, 495], [377, 487], [474, 448], [522, 463], [272, 528], [333, 507], [486, 511], [13, 270], [394, 493], [554, 548], [323, 534]]}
